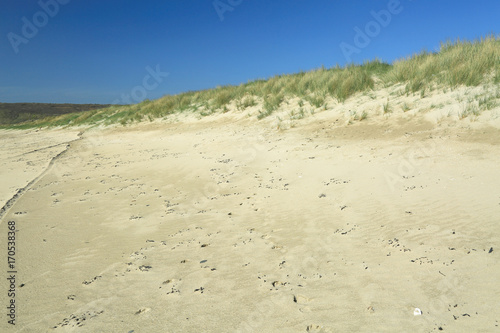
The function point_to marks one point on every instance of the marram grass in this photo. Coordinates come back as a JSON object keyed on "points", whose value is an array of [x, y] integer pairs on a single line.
{"points": [[457, 63]]}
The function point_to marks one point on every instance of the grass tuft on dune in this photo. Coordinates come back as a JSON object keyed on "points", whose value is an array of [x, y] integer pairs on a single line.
{"points": [[459, 63]]}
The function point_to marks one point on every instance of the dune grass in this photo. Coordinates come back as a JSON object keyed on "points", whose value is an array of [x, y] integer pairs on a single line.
{"points": [[460, 63], [468, 63]]}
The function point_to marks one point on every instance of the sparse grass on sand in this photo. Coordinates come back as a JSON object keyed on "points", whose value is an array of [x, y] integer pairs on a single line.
{"points": [[462, 63]]}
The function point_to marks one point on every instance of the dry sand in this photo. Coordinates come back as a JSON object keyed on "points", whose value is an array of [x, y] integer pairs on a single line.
{"points": [[228, 225]]}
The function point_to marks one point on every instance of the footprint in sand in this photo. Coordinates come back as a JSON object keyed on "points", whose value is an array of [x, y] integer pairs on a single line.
{"points": [[142, 311], [87, 282], [172, 286], [300, 299], [78, 320], [314, 328]]}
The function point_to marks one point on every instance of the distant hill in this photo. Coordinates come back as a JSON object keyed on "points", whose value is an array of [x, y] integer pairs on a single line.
{"points": [[15, 113]]}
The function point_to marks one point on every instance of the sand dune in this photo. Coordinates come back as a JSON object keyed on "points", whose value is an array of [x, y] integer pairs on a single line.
{"points": [[227, 225]]}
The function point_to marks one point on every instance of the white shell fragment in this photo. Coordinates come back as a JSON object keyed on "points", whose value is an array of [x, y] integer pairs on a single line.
{"points": [[417, 312]]}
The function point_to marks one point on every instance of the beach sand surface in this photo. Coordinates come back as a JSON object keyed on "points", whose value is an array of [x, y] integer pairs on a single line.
{"points": [[226, 225]]}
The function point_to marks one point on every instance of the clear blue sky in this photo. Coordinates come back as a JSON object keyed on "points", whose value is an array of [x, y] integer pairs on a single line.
{"points": [[100, 51]]}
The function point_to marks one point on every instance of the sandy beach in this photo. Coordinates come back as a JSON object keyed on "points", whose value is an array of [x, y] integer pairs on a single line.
{"points": [[226, 224]]}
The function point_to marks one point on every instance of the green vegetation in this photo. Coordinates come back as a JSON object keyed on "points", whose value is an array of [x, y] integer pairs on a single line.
{"points": [[354, 116], [316, 100], [271, 103], [294, 115], [462, 63], [489, 101], [387, 108], [469, 109], [245, 103], [21, 113]]}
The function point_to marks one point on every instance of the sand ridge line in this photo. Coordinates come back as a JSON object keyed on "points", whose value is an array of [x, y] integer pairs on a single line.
{"points": [[48, 147], [22, 190]]}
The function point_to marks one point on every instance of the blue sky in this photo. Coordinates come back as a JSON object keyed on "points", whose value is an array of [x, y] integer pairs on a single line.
{"points": [[120, 51]]}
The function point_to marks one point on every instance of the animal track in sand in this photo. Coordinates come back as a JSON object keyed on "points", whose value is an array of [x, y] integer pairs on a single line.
{"points": [[335, 181], [172, 286], [142, 311], [395, 243], [78, 320], [343, 231], [277, 284], [95, 278], [300, 299], [315, 328]]}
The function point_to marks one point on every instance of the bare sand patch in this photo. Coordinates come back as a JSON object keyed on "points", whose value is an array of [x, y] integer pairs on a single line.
{"points": [[225, 225]]}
